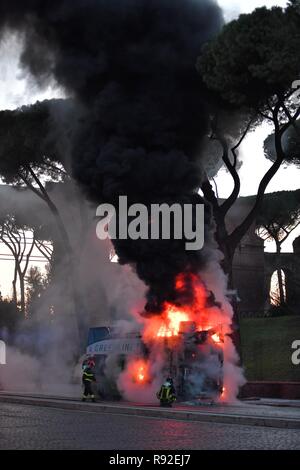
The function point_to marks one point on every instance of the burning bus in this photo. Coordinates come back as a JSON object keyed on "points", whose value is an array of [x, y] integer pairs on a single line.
{"points": [[184, 340], [194, 359]]}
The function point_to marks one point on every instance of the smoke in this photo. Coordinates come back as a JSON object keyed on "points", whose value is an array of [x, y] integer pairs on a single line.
{"points": [[216, 281], [27, 368], [130, 66], [42, 356], [142, 392]]}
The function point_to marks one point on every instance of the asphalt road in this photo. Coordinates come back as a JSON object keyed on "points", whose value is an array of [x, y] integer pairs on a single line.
{"points": [[35, 427]]}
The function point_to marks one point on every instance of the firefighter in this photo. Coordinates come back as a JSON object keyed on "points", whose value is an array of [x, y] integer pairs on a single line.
{"points": [[91, 362], [88, 377], [167, 394]]}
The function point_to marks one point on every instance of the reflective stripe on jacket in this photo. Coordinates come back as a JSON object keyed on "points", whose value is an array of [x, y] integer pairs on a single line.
{"points": [[88, 376], [166, 393]]}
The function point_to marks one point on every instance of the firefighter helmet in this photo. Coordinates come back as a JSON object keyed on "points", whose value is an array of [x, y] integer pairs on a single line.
{"points": [[91, 362]]}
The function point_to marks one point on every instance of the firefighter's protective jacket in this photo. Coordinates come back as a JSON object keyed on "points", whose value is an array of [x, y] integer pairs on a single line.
{"points": [[166, 393], [88, 376]]}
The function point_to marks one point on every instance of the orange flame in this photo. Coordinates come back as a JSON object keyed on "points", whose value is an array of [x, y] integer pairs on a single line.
{"points": [[139, 370], [170, 326], [223, 394], [141, 374], [167, 324], [216, 338]]}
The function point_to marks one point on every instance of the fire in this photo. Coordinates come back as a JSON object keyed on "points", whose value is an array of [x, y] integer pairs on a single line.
{"points": [[187, 338], [223, 395], [173, 315], [141, 374], [171, 325], [139, 370], [188, 330], [195, 310], [179, 284], [216, 338]]}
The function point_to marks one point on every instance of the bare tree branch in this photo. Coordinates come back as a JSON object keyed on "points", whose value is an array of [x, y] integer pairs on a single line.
{"points": [[224, 208], [44, 250], [242, 229]]}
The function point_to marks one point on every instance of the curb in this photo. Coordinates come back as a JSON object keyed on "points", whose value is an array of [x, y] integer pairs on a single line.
{"points": [[199, 416]]}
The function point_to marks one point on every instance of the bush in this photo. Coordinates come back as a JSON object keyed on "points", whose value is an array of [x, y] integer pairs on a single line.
{"points": [[9, 316]]}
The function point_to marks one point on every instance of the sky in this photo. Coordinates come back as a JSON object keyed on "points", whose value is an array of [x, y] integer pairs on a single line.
{"points": [[16, 90], [232, 8]]}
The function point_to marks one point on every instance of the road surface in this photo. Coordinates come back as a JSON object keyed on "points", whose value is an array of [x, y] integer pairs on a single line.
{"points": [[35, 427]]}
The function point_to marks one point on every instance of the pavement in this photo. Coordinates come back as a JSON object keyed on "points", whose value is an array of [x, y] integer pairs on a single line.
{"points": [[40, 427], [282, 414]]}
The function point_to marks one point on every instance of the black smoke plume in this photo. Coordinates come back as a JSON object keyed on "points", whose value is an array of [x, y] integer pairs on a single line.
{"points": [[131, 64]]}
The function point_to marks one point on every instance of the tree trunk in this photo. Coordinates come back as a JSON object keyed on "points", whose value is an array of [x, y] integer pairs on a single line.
{"points": [[22, 292], [14, 286], [227, 265], [228, 243], [279, 276], [227, 247], [281, 287]]}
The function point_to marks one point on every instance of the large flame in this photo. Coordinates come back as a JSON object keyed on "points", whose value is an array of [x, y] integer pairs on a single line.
{"points": [[171, 324], [195, 310]]}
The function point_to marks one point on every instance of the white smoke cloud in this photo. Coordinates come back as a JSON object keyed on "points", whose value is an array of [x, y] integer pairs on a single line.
{"points": [[43, 356]]}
